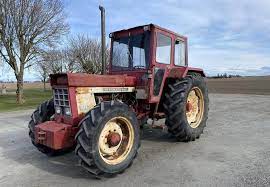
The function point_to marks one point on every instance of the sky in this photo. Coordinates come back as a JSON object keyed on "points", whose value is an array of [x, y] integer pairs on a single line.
{"points": [[224, 36]]}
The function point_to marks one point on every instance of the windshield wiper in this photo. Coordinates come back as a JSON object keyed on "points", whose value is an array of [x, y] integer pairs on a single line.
{"points": [[129, 53]]}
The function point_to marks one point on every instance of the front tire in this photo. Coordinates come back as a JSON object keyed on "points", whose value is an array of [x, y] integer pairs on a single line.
{"points": [[42, 114], [186, 107], [108, 139]]}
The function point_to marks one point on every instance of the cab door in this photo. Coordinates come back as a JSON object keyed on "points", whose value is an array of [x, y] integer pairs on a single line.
{"points": [[162, 58]]}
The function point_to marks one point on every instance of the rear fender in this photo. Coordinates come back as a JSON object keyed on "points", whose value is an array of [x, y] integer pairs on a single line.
{"points": [[181, 72], [194, 70], [169, 75]]}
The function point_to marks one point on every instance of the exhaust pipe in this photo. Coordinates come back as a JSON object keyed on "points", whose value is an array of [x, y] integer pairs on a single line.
{"points": [[103, 39]]}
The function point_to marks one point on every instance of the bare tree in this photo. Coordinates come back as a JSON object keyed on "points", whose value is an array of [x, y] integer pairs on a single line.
{"points": [[58, 61], [85, 52], [68, 64], [43, 73], [1, 62], [26, 27], [49, 63], [53, 60]]}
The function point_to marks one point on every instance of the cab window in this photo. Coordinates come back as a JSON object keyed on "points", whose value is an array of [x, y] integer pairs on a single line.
{"points": [[163, 52], [179, 54]]}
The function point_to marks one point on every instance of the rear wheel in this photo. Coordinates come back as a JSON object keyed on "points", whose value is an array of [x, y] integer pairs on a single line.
{"points": [[186, 107], [108, 139], [43, 113]]}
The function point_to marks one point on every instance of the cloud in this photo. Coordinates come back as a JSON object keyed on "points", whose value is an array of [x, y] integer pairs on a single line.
{"points": [[230, 60], [265, 70]]}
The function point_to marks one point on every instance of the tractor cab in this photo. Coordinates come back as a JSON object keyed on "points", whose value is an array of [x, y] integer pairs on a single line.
{"points": [[141, 48], [151, 54]]}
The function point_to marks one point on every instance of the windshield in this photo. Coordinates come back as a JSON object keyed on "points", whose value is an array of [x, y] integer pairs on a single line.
{"points": [[131, 52]]}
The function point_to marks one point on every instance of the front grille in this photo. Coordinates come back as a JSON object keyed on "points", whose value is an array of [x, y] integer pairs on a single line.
{"points": [[61, 97]]}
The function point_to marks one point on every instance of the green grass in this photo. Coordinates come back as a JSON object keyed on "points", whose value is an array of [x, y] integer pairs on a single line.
{"points": [[33, 97]]}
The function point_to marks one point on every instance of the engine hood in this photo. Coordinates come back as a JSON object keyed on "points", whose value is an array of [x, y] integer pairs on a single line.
{"points": [[91, 80]]}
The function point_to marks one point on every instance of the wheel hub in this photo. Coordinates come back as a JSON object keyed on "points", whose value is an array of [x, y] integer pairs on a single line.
{"points": [[116, 140], [113, 139], [188, 107], [194, 107], [110, 138]]}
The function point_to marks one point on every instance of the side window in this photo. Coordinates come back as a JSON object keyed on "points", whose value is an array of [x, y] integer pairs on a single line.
{"points": [[179, 54], [163, 52]]}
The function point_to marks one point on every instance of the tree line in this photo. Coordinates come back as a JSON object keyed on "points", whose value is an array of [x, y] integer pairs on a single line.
{"points": [[223, 75], [30, 33]]}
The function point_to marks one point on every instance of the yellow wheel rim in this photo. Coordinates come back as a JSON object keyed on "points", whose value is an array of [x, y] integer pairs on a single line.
{"points": [[195, 107], [116, 140]]}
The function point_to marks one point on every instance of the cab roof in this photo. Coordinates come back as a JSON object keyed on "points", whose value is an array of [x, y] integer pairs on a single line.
{"points": [[151, 25]]}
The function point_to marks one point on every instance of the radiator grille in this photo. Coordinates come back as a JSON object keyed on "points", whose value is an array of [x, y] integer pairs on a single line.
{"points": [[61, 97]]}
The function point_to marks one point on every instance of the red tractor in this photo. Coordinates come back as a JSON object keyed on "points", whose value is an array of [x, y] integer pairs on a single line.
{"points": [[101, 115]]}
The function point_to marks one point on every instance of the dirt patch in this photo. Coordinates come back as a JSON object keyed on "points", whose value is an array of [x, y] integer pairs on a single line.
{"points": [[241, 85]]}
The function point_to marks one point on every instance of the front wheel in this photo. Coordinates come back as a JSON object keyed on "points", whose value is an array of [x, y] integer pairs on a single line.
{"points": [[108, 139], [186, 108]]}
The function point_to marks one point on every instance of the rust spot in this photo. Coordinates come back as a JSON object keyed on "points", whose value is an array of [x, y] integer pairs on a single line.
{"points": [[188, 107], [113, 139]]}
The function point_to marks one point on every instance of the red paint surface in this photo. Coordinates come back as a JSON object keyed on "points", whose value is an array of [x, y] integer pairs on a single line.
{"points": [[91, 80], [55, 135], [113, 139], [188, 107]]}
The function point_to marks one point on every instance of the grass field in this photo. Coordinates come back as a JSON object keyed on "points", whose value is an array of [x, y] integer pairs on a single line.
{"points": [[34, 85], [33, 98]]}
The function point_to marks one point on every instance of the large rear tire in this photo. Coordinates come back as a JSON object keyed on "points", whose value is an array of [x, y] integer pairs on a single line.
{"points": [[43, 113], [186, 107], [108, 139]]}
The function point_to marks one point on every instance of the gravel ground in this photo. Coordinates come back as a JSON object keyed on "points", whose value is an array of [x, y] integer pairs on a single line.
{"points": [[233, 151]]}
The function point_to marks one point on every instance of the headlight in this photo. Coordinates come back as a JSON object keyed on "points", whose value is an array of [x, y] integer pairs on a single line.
{"points": [[67, 111], [57, 110]]}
